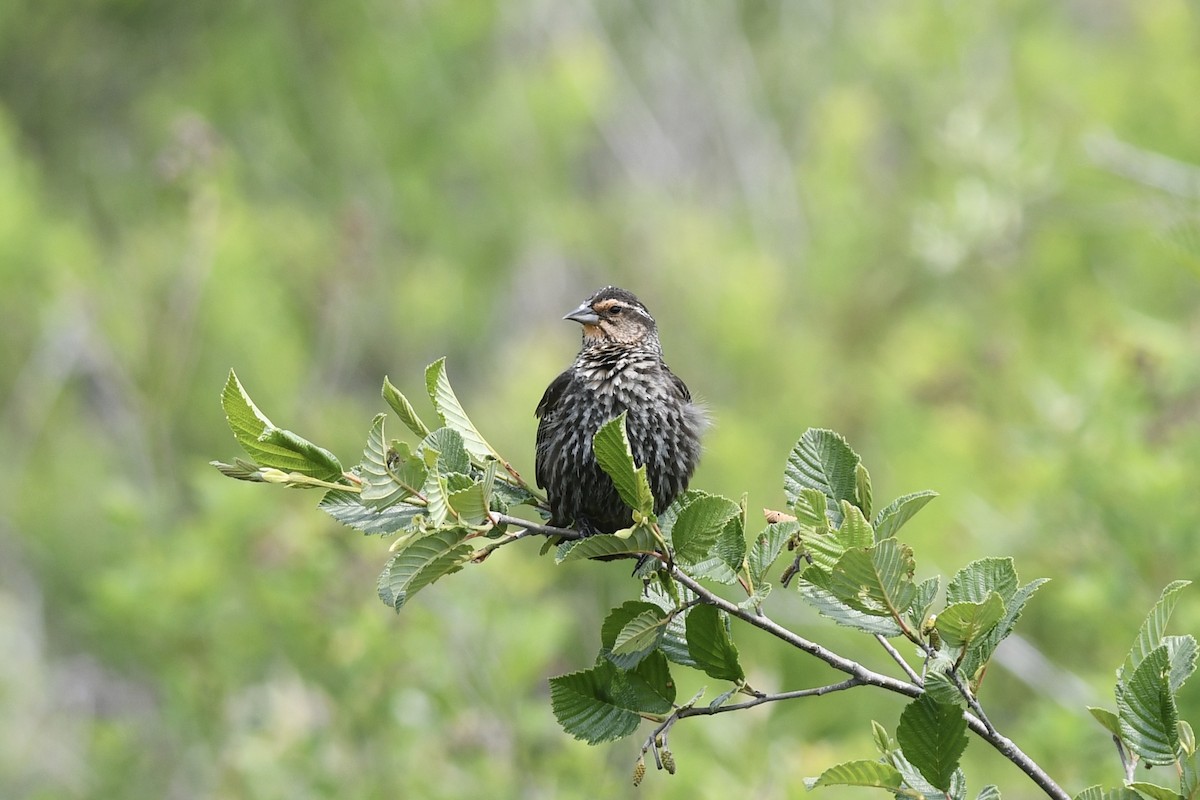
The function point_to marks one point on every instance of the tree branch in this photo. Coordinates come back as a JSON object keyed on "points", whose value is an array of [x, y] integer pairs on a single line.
{"points": [[861, 675]]}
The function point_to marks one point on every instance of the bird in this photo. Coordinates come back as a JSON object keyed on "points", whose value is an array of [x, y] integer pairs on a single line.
{"points": [[619, 368]]}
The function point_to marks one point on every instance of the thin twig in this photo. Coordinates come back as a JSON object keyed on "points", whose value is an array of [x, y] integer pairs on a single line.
{"points": [[1005, 746], [899, 659], [536, 528], [693, 711]]}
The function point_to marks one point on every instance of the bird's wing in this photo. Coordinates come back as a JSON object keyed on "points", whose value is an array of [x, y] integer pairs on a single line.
{"points": [[679, 385], [545, 412]]}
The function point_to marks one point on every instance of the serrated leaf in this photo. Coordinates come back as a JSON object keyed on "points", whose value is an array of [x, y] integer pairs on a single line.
{"points": [[767, 546], [854, 531], [674, 640], [828, 606], [974, 582], [881, 738], [421, 563], [640, 541], [989, 792], [1107, 719], [823, 547], [822, 460], [640, 634], [862, 490], [1181, 651], [404, 409], [271, 446], [962, 623], [731, 543], [1189, 781], [611, 448], [1154, 791], [933, 737], [389, 474], [872, 774], [892, 518], [615, 633], [469, 504], [811, 508], [926, 594], [698, 525], [710, 644], [605, 703], [941, 688], [1147, 712], [1150, 635], [348, 509], [451, 412], [876, 580], [1099, 793], [445, 451]]}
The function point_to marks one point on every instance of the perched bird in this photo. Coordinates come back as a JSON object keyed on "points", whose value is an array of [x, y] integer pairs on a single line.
{"points": [[619, 368]]}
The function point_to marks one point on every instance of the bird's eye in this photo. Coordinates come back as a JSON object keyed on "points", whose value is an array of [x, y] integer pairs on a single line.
{"points": [[616, 309]]}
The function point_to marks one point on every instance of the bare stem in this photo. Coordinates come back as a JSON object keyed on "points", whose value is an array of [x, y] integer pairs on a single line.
{"points": [[899, 659]]}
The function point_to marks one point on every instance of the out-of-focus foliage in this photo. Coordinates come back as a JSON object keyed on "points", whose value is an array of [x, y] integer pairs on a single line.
{"points": [[967, 235]]}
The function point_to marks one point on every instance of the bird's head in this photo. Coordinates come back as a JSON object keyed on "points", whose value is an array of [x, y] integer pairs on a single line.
{"points": [[614, 315]]}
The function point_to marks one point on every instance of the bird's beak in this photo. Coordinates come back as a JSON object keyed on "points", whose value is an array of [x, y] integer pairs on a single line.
{"points": [[584, 315]]}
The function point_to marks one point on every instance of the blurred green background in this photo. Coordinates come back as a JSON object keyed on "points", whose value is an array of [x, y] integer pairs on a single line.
{"points": [[965, 235]]}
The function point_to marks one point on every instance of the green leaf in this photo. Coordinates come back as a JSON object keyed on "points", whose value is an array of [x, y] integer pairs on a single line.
{"points": [[767, 546], [811, 508], [1146, 708], [451, 412], [873, 774], [989, 792], [445, 451], [1098, 793], [933, 737], [883, 741], [731, 543], [974, 582], [862, 490], [619, 620], [605, 703], [614, 455], [348, 509], [961, 623], [698, 525], [1154, 791], [926, 594], [390, 474], [822, 460], [1189, 782], [404, 409], [640, 634], [421, 563], [710, 644], [941, 688], [854, 531], [890, 519], [876, 580], [469, 504], [1150, 635], [1182, 656], [270, 446], [1106, 718], [828, 606], [640, 541], [674, 640]]}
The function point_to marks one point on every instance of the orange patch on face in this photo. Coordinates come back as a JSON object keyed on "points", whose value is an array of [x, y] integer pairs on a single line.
{"points": [[592, 331]]}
